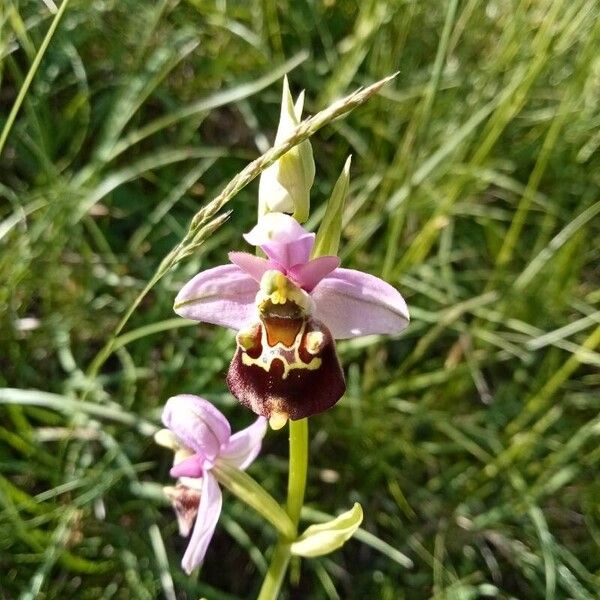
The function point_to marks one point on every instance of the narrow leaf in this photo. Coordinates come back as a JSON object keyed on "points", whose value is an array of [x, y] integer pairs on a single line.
{"points": [[328, 236]]}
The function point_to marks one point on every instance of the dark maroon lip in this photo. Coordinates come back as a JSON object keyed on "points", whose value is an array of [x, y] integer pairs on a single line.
{"points": [[301, 392]]}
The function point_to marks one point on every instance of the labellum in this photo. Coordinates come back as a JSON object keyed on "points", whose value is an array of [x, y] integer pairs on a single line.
{"points": [[185, 502], [285, 364]]}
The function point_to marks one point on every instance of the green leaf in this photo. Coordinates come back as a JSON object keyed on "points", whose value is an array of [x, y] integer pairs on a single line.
{"points": [[324, 538]]}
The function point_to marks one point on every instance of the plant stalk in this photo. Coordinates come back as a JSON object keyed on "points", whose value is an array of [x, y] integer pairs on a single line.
{"points": [[277, 570], [298, 468]]}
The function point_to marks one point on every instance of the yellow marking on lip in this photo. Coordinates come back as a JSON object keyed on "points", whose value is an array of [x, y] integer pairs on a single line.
{"points": [[246, 340], [270, 353], [314, 341]]}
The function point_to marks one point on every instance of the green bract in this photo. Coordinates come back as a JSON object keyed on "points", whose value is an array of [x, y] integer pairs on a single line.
{"points": [[324, 538], [328, 236]]}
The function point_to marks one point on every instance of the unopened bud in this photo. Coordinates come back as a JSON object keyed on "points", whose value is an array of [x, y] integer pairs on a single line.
{"points": [[285, 185]]}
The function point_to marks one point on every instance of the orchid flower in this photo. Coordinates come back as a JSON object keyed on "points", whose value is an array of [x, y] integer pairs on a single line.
{"points": [[288, 309], [201, 438]]}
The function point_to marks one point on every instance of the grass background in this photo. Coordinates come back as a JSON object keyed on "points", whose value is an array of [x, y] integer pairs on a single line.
{"points": [[471, 440]]}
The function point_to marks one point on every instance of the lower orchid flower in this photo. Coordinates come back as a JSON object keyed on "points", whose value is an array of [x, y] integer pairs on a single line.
{"points": [[201, 438], [288, 310]]}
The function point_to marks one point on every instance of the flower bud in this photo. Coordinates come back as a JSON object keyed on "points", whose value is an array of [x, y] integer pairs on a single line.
{"points": [[285, 185]]}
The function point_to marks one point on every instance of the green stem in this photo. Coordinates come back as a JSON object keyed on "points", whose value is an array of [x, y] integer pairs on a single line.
{"points": [[277, 569], [298, 468]]}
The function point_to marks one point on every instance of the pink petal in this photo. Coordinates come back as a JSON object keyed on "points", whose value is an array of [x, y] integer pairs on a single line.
{"points": [[352, 303], [223, 296], [275, 227], [198, 424], [192, 466], [308, 275], [244, 446], [289, 254], [282, 238], [250, 264], [209, 510]]}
